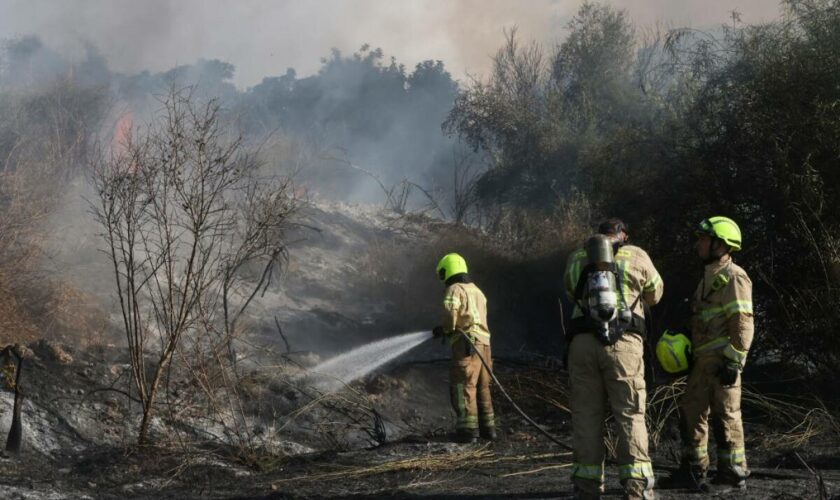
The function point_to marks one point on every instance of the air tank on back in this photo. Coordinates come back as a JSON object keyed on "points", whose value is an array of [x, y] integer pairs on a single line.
{"points": [[601, 290]]}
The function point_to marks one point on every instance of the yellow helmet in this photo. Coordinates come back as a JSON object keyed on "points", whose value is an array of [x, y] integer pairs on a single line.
{"points": [[724, 228], [450, 265], [674, 352]]}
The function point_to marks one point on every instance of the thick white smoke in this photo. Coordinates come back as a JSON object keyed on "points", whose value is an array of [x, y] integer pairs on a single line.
{"points": [[264, 37]]}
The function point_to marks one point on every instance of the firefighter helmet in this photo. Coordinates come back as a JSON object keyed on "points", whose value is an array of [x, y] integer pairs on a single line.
{"points": [[674, 352], [450, 265], [724, 228]]}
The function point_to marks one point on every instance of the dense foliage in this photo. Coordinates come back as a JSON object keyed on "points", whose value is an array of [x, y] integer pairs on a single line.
{"points": [[670, 128]]}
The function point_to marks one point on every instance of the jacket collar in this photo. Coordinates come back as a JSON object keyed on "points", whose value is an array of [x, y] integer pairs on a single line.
{"points": [[716, 266], [458, 278]]}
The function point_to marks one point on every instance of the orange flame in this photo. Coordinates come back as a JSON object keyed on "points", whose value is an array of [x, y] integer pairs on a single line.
{"points": [[121, 139]]}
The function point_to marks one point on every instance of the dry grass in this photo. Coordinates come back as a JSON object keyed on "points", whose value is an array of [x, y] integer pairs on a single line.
{"points": [[529, 234], [73, 315], [539, 385], [799, 421], [803, 421], [538, 469], [16, 326], [444, 462], [37, 306], [662, 407], [44, 135]]}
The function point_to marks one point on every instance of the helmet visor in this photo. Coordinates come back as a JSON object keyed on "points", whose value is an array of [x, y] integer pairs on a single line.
{"points": [[705, 227]]}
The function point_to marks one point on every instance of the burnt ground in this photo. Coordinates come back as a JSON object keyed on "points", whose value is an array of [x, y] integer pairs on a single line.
{"points": [[383, 437], [78, 444]]}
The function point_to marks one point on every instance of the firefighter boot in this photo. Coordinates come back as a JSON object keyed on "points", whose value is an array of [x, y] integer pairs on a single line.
{"points": [[488, 433], [686, 477], [466, 436], [591, 491], [727, 479]]}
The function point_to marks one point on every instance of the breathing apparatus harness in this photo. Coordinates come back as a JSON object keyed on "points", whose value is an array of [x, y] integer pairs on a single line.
{"points": [[605, 309], [516, 407]]}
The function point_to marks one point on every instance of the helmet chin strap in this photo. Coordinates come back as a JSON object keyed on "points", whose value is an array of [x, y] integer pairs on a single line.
{"points": [[618, 240], [717, 249]]}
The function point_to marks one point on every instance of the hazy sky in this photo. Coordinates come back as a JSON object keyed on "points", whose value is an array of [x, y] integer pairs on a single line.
{"points": [[264, 37]]}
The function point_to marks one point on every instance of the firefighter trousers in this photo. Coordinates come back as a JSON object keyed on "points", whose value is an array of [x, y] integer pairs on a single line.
{"points": [[469, 386], [705, 397], [610, 378]]}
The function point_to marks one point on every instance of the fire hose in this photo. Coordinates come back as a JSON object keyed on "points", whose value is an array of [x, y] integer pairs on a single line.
{"points": [[510, 400], [762, 474]]}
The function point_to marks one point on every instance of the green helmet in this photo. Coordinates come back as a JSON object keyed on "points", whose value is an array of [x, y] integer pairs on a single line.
{"points": [[450, 265], [723, 228], [674, 352]]}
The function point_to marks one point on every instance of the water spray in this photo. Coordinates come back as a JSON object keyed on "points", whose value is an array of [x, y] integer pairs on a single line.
{"points": [[359, 362], [355, 364]]}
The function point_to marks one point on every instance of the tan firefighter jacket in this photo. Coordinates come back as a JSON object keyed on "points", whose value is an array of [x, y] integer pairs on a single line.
{"points": [[722, 311], [636, 275], [466, 310]]}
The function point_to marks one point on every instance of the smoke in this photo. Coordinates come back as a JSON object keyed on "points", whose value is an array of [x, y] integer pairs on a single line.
{"points": [[264, 37], [240, 52], [383, 118]]}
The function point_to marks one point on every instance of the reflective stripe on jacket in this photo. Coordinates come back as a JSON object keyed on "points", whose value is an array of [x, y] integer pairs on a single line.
{"points": [[636, 275], [722, 310], [466, 310]]}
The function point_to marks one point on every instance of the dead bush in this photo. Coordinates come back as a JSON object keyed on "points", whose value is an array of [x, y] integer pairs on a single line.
{"points": [[45, 135], [194, 234]]}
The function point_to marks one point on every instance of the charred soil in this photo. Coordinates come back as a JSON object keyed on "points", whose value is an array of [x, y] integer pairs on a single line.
{"points": [[78, 443]]}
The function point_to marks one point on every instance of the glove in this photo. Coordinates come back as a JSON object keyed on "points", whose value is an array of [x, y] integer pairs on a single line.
{"points": [[438, 332], [728, 372]]}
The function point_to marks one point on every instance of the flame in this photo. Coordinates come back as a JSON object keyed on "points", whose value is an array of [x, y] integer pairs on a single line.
{"points": [[121, 140]]}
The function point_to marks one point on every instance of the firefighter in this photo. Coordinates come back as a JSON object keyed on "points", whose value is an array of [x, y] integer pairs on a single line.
{"points": [[606, 361], [721, 333], [469, 380]]}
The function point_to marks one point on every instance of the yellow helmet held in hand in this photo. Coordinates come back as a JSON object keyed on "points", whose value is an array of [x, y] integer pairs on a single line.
{"points": [[724, 228], [450, 265], [674, 352]]}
